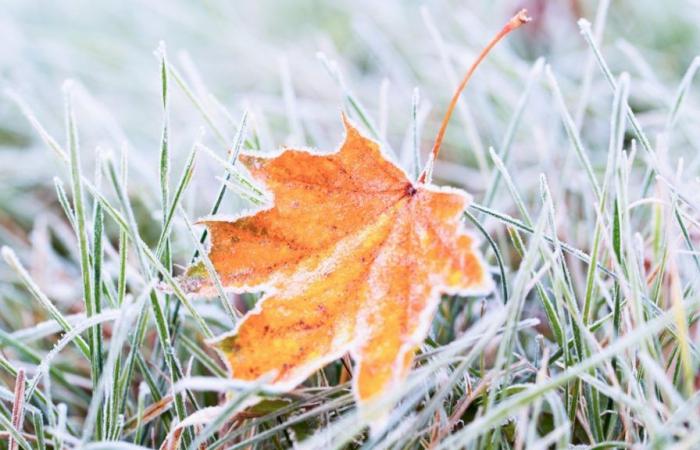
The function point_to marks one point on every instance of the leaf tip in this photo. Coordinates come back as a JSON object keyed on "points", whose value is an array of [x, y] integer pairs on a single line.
{"points": [[347, 123]]}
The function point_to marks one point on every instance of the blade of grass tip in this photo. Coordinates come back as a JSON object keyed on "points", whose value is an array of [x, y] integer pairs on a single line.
{"points": [[66, 339], [59, 432], [140, 406], [237, 146], [681, 92], [509, 136], [245, 184], [207, 361], [17, 408], [686, 236], [35, 358], [31, 117], [163, 249], [118, 428], [63, 200], [11, 258], [415, 132], [148, 378], [585, 27], [587, 79], [242, 192], [519, 203], [164, 160], [233, 314], [161, 405], [496, 252]]}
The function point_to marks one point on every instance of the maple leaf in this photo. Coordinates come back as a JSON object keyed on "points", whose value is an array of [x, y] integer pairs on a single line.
{"points": [[353, 258]]}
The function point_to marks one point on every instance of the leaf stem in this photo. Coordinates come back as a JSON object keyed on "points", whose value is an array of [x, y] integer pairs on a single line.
{"points": [[514, 23]]}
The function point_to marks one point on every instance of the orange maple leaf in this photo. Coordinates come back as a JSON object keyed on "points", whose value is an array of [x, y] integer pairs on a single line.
{"points": [[353, 258]]}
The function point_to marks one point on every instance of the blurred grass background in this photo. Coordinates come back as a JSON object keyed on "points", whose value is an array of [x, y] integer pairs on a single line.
{"points": [[243, 54], [291, 65]]}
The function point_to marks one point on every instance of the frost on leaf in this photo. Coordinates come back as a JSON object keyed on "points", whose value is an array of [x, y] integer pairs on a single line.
{"points": [[353, 258]]}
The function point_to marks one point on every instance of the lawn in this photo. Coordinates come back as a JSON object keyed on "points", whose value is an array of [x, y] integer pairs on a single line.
{"points": [[122, 123]]}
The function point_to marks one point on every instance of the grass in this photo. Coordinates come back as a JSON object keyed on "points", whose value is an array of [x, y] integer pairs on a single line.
{"points": [[577, 141]]}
